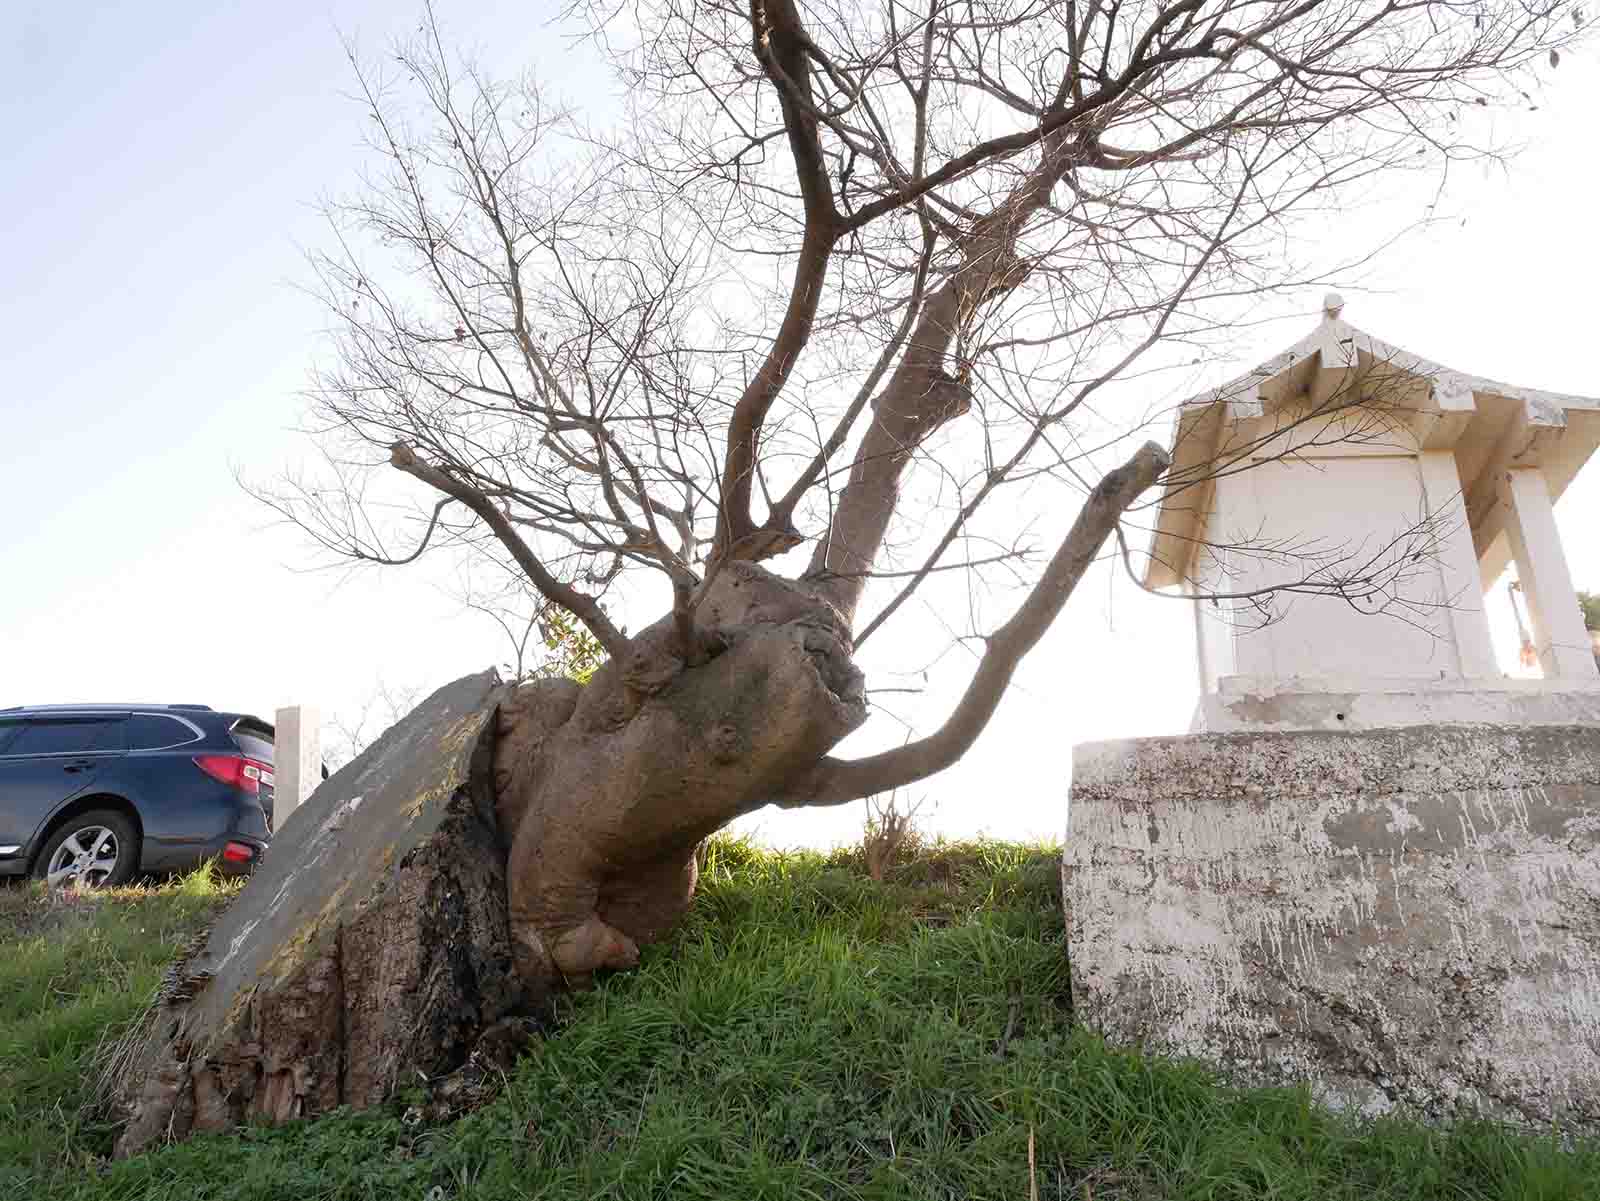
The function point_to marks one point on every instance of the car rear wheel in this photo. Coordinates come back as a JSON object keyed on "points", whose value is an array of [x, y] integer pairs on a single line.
{"points": [[98, 849]]}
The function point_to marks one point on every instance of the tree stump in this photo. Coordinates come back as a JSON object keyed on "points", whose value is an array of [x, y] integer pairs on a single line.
{"points": [[371, 945]]}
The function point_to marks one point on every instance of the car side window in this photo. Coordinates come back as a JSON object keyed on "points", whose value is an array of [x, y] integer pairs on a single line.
{"points": [[153, 732], [67, 737], [8, 731]]}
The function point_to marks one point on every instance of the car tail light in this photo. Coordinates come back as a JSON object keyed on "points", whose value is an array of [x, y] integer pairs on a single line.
{"points": [[236, 771], [238, 852]]}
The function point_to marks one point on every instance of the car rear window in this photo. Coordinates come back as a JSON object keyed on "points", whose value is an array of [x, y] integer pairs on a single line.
{"points": [[66, 736], [253, 737], [154, 732]]}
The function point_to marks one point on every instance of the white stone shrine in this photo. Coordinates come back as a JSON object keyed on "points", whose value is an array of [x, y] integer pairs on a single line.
{"points": [[1374, 866], [1344, 452]]}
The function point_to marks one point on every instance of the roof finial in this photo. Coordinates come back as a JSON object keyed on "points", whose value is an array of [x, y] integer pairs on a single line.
{"points": [[1332, 306]]}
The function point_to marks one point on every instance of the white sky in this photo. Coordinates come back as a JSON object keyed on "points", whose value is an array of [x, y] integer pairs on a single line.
{"points": [[158, 186]]}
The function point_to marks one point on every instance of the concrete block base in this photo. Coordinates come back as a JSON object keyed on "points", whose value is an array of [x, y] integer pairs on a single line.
{"points": [[1403, 918], [1245, 704]]}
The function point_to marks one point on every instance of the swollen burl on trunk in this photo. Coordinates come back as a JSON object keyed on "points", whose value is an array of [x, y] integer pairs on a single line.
{"points": [[606, 791]]}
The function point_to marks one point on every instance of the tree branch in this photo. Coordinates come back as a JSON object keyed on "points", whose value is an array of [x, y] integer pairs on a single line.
{"points": [[835, 781], [582, 606], [780, 45]]}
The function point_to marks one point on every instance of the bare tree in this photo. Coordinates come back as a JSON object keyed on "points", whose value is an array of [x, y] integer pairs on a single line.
{"points": [[848, 274]]}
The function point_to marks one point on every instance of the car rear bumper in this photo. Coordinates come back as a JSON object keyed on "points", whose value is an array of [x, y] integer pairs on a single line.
{"points": [[190, 855], [228, 854]]}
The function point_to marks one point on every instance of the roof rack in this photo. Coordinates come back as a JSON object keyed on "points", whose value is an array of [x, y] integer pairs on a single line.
{"points": [[100, 708]]}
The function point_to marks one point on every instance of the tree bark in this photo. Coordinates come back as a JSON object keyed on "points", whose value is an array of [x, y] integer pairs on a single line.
{"points": [[607, 790], [923, 394], [835, 782]]}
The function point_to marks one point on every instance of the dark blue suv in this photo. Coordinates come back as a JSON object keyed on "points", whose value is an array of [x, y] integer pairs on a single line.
{"points": [[95, 793]]}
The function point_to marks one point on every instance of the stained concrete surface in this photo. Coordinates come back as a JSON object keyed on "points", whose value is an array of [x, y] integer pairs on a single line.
{"points": [[1405, 917]]}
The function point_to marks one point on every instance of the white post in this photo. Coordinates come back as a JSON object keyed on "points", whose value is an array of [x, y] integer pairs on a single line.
{"points": [[297, 760], [1558, 633], [1458, 565]]}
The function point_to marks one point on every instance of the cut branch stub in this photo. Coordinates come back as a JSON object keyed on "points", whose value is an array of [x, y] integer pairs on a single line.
{"points": [[370, 945]]}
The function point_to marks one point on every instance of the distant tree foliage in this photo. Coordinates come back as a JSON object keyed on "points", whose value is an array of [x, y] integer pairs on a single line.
{"points": [[1589, 602]]}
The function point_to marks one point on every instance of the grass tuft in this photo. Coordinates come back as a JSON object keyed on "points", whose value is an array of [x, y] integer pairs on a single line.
{"points": [[808, 1033]]}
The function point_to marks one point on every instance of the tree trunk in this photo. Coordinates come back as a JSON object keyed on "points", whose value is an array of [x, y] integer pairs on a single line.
{"points": [[388, 934], [607, 790]]}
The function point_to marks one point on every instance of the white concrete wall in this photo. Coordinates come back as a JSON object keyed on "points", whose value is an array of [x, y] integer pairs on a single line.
{"points": [[1347, 507], [1236, 521], [1213, 621], [1333, 702]]}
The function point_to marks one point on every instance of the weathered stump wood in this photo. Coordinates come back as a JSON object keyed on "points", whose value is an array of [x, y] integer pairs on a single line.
{"points": [[370, 945]]}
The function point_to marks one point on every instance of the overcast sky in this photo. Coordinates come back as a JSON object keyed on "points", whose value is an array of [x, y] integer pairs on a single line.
{"points": [[157, 192]]}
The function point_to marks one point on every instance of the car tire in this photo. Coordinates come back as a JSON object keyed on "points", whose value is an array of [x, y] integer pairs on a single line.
{"points": [[97, 849]]}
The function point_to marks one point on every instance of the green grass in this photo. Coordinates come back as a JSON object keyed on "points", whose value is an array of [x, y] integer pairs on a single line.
{"points": [[807, 1034], [75, 968]]}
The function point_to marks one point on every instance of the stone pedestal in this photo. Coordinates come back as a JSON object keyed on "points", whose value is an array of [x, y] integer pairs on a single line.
{"points": [[1403, 917]]}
